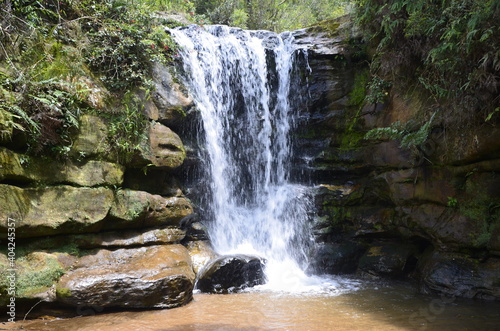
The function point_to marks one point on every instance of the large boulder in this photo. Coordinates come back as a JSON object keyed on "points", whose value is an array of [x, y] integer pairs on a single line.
{"points": [[231, 273], [146, 277], [201, 253], [459, 275]]}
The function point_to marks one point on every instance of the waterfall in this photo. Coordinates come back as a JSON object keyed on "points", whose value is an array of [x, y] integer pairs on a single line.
{"points": [[240, 81]]}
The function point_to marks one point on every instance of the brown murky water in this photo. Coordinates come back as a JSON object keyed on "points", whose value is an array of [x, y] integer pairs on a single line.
{"points": [[373, 307]]}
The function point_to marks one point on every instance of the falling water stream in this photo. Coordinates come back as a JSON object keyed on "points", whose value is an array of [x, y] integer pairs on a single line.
{"points": [[240, 81]]}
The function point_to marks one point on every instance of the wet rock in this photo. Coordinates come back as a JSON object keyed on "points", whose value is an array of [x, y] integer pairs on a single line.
{"points": [[231, 273], [346, 194], [388, 259], [16, 167], [458, 275], [201, 253], [146, 277], [338, 258], [194, 229], [319, 42]]}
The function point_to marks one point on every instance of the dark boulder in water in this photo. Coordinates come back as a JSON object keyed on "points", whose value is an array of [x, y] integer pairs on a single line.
{"points": [[231, 273]]}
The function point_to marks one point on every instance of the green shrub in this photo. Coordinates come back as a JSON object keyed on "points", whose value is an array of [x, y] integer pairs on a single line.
{"points": [[127, 128], [407, 136], [124, 49], [450, 47]]}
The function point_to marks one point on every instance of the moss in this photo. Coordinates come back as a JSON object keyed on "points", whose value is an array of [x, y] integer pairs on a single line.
{"points": [[70, 249], [358, 93], [352, 135], [351, 139], [37, 273], [330, 26], [63, 292], [481, 207]]}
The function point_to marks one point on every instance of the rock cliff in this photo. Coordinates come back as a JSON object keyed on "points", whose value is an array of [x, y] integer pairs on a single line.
{"points": [[94, 229], [429, 211]]}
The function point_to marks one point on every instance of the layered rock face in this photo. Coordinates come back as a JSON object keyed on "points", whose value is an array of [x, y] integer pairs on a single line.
{"points": [[430, 212], [93, 230]]}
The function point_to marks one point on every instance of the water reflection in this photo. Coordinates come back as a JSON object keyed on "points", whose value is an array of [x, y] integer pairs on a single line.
{"points": [[375, 306]]}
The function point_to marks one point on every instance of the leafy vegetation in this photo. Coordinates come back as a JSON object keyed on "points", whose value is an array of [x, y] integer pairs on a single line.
{"points": [[127, 128], [450, 47], [126, 43], [406, 134], [46, 49], [273, 15]]}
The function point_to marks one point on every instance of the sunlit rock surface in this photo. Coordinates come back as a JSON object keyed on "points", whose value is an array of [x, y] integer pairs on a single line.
{"points": [[146, 277]]}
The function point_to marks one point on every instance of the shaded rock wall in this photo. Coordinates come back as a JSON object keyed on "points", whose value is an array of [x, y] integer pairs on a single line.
{"points": [[431, 212], [92, 229]]}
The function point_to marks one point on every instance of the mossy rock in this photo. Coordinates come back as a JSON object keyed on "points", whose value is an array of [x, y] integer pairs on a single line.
{"points": [[36, 274], [92, 139], [22, 168], [54, 210], [131, 207], [163, 149]]}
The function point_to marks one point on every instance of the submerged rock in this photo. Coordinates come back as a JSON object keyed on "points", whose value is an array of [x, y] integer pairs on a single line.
{"points": [[231, 273], [146, 277]]}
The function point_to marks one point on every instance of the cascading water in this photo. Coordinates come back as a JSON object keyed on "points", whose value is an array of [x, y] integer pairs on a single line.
{"points": [[240, 81]]}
